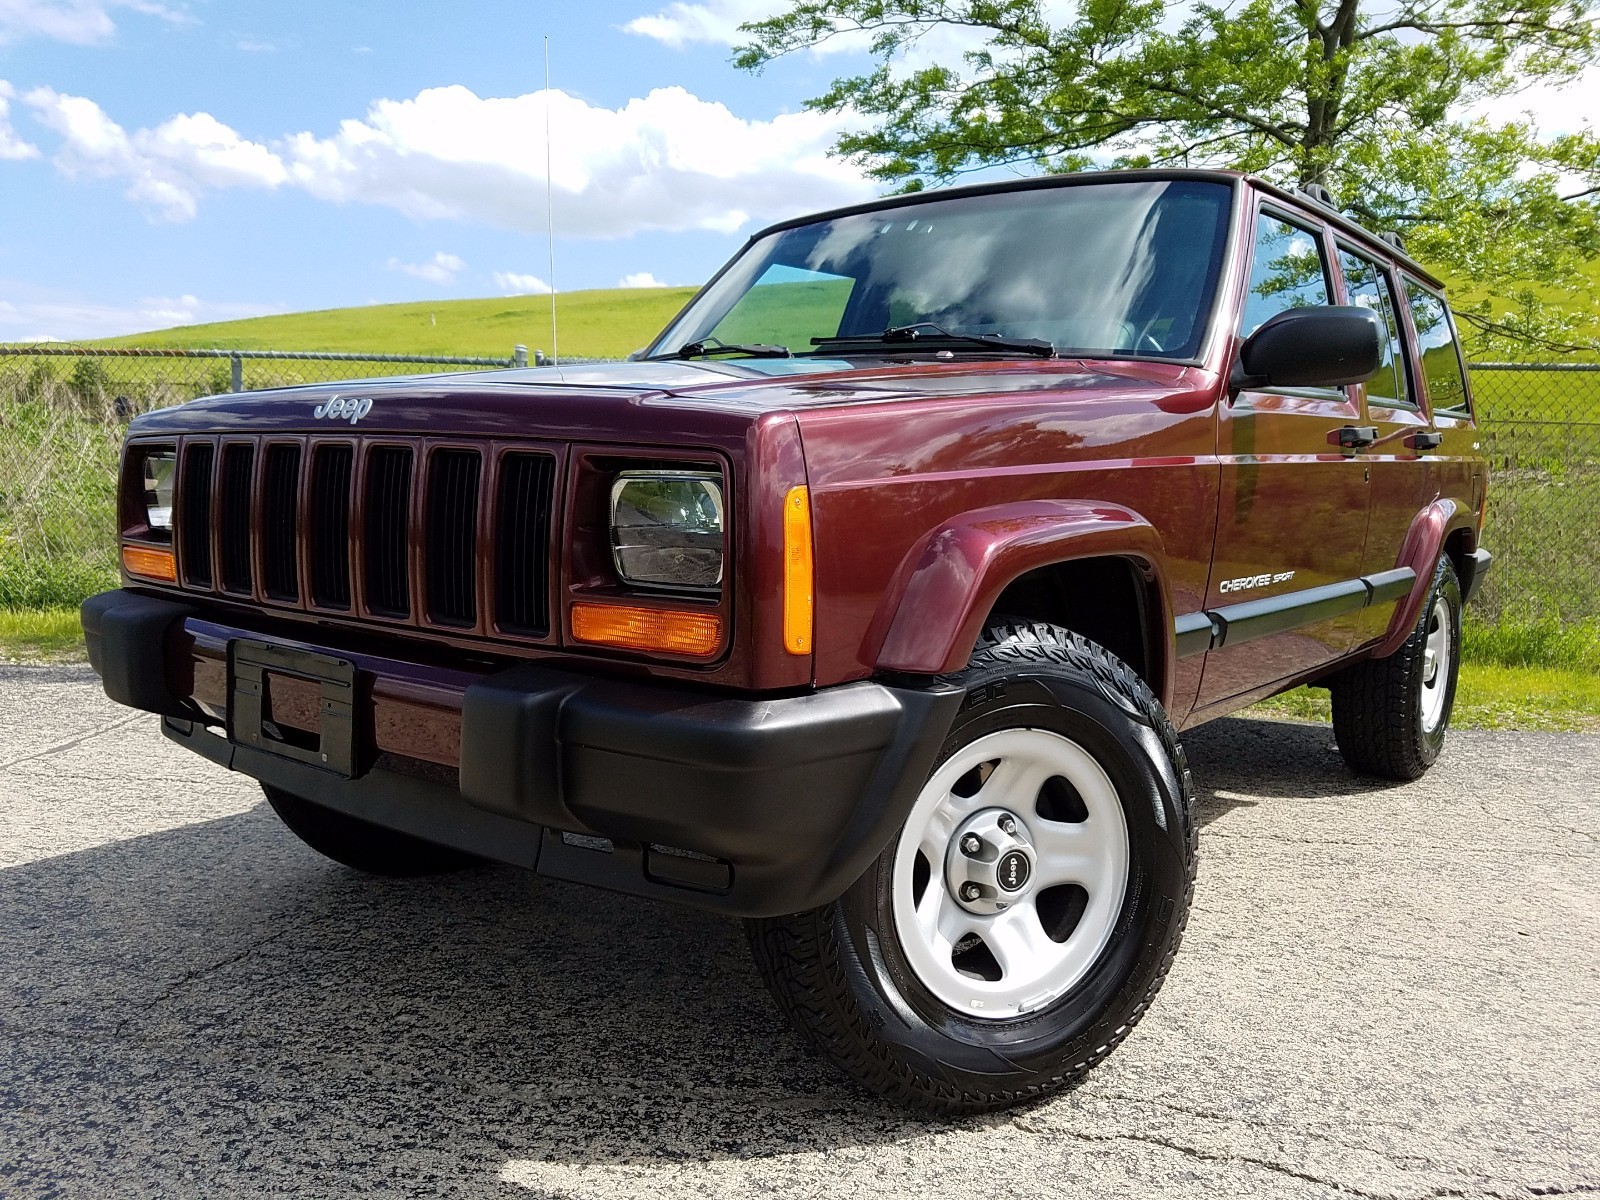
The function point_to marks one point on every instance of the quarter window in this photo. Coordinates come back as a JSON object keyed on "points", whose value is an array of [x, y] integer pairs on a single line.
{"points": [[1369, 287], [1287, 271], [1437, 349]]}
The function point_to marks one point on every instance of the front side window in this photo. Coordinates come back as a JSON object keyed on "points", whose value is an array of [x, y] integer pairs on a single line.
{"points": [[1287, 270], [1442, 372], [1095, 269], [1369, 287]]}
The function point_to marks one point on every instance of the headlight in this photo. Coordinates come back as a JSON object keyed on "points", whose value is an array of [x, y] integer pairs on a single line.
{"points": [[666, 528], [160, 466]]}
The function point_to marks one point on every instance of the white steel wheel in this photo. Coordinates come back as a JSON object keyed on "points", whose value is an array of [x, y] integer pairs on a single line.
{"points": [[1438, 654], [1010, 873]]}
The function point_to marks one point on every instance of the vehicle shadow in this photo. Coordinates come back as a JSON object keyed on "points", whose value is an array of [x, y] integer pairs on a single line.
{"points": [[214, 1009]]}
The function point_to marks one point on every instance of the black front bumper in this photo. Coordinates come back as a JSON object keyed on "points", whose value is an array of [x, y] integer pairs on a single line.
{"points": [[753, 807]]}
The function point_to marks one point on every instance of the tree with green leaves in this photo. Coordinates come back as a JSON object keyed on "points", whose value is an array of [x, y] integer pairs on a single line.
{"points": [[1383, 102]]}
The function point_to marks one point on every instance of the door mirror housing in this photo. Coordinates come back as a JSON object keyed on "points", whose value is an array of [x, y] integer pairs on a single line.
{"points": [[1324, 345]]}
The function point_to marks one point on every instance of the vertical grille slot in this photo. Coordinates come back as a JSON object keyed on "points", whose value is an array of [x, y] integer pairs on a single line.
{"points": [[452, 537], [194, 516], [330, 526], [386, 577], [280, 524], [522, 543], [233, 521]]}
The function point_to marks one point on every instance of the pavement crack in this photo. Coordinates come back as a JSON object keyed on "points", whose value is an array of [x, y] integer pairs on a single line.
{"points": [[198, 973], [1200, 1155], [71, 743]]}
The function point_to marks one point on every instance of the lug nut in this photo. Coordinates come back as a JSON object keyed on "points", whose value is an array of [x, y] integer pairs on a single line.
{"points": [[1008, 826], [970, 891], [971, 844]]}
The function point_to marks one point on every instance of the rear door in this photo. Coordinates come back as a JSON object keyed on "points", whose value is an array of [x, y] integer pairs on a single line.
{"points": [[1292, 517], [1403, 482]]}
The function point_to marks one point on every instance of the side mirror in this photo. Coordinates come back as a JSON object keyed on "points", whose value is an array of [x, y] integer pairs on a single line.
{"points": [[1325, 345]]}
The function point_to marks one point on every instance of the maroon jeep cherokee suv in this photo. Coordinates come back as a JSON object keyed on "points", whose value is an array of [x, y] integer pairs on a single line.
{"points": [[866, 604]]}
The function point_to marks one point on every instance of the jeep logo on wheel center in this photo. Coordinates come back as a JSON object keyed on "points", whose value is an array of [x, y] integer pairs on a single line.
{"points": [[336, 409], [1013, 871]]}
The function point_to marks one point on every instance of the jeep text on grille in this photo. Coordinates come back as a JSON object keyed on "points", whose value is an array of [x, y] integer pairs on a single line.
{"points": [[867, 604]]}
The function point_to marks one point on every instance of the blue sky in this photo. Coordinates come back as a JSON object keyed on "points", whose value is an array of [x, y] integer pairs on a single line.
{"points": [[167, 162], [185, 161]]}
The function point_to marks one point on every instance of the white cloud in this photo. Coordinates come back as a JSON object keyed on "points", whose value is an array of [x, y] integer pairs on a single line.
{"points": [[1555, 110], [640, 279], [35, 316], [80, 22], [717, 22], [514, 284], [166, 167], [11, 146], [666, 161], [442, 268]]}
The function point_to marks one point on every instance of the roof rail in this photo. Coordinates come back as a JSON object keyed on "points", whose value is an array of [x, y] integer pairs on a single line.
{"points": [[1390, 238], [1317, 194]]}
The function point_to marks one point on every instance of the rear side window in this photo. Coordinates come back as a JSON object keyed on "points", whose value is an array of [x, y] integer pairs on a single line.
{"points": [[1369, 287], [1438, 350], [1287, 271]]}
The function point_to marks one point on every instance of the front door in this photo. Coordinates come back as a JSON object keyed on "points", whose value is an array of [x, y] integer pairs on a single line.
{"points": [[1292, 517]]}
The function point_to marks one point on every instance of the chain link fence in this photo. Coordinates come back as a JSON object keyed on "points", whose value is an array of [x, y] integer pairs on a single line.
{"points": [[1541, 431], [63, 410]]}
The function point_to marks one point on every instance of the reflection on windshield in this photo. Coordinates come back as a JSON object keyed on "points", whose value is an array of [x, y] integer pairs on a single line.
{"points": [[1094, 268]]}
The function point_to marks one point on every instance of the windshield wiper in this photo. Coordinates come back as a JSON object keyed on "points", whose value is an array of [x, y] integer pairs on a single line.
{"points": [[706, 347], [926, 333]]}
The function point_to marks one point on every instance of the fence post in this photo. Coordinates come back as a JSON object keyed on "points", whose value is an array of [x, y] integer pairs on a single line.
{"points": [[235, 373], [519, 355]]}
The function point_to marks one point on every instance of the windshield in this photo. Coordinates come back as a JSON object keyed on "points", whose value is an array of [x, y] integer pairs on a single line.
{"points": [[1095, 269]]}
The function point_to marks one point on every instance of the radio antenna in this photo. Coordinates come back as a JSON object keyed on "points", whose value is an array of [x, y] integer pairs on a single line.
{"points": [[550, 206]]}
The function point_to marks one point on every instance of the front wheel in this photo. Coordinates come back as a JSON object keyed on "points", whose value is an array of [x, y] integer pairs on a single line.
{"points": [[1027, 912]]}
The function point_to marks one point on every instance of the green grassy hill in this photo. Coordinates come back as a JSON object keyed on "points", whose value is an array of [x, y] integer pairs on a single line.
{"points": [[607, 323]]}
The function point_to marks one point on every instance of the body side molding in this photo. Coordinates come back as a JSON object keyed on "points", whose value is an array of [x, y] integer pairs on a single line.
{"points": [[1235, 624]]}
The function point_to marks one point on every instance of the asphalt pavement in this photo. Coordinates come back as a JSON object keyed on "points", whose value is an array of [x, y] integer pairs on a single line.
{"points": [[1384, 991]]}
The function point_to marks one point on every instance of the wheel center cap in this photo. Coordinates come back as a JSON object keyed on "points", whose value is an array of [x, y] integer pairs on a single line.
{"points": [[1012, 871], [990, 861]]}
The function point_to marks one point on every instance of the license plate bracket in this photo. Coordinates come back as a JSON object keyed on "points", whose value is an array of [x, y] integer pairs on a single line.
{"points": [[248, 665]]}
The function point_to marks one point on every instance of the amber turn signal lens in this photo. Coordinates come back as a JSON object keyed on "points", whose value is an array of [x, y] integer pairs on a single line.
{"points": [[150, 562], [665, 630], [797, 571]]}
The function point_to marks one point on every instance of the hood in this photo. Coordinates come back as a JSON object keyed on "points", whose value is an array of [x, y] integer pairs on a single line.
{"points": [[630, 398]]}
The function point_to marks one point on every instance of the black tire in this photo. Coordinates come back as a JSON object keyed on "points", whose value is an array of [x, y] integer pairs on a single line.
{"points": [[840, 971], [361, 844], [1380, 719]]}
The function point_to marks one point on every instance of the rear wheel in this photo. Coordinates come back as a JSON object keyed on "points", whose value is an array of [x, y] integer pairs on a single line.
{"points": [[361, 844], [1390, 714], [1026, 913]]}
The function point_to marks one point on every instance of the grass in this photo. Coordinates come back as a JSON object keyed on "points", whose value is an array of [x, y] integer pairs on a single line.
{"points": [[607, 323], [45, 635], [1488, 696]]}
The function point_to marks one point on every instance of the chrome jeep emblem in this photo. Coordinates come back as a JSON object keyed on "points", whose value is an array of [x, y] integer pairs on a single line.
{"points": [[338, 409]]}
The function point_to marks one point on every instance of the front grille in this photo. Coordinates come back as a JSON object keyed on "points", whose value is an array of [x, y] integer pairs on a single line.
{"points": [[194, 515], [280, 525], [386, 552], [451, 548], [423, 535], [233, 521], [330, 526], [522, 543]]}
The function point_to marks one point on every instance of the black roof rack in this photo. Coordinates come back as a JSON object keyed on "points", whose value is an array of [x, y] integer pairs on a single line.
{"points": [[1317, 194], [1390, 238]]}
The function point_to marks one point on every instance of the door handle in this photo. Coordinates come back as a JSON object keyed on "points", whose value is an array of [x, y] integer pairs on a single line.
{"points": [[1424, 441], [1353, 437]]}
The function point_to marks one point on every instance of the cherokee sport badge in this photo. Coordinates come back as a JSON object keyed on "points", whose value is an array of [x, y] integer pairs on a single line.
{"points": [[337, 409]]}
